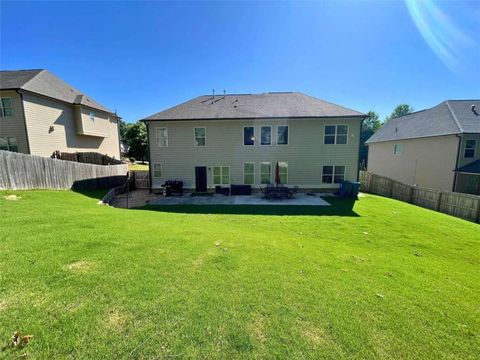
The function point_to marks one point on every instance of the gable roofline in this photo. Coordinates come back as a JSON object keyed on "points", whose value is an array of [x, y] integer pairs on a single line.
{"points": [[450, 117], [268, 105], [43, 83]]}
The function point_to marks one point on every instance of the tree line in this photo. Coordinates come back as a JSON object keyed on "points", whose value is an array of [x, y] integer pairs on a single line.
{"points": [[134, 135]]}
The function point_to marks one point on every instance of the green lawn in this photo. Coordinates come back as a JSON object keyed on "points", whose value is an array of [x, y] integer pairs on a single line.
{"points": [[143, 167], [383, 280]]}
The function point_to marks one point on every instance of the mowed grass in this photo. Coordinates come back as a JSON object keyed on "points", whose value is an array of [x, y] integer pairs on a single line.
{"points": [[385, 280], [136, 166]]}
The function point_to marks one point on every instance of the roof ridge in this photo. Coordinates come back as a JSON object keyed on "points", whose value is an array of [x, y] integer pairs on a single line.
{"points": [[454, 116], [33, 77]]}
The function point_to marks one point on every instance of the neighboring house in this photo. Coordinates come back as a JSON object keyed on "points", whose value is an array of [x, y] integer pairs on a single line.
{"points": [[40, 113], [437, 148], [238, 139]]}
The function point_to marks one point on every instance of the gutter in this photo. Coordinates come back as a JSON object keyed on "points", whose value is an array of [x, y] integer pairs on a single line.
{"points": [[456, 162], [359, 148], [150, 165], [265, 118], [24, 120]]}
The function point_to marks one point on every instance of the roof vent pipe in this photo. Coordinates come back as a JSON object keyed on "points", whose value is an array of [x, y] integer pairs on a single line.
{"points": [[213, 95], [474, 109]]}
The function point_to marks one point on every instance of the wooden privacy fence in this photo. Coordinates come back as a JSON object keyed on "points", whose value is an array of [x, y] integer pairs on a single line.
{"points": [[142, 179], [464, 206], [87, 157], [23, 172]]}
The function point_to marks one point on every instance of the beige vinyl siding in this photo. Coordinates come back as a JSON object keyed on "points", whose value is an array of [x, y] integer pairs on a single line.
{"points": [[428, 162], [462, 160], [14, 126], [305, 153], [41, 113], [99, 126]]}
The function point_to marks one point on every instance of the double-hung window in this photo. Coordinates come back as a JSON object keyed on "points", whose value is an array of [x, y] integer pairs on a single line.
{"points": [[249, 136], [162, 137], [470, 146], [265, 172], [200, 134], [398, 149], [157, 170], [249, 173], [221, 175], [335, 134], [333, 174], [9, 144], [6, 107], [266, 135], [282, 135]]}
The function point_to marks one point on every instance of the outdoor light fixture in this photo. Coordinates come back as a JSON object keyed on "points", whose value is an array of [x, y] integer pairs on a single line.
{"points": [[50, 129]]}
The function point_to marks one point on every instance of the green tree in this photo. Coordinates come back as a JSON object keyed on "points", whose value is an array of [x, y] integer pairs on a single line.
{"points": [[369, 126], [135, 135], [400, 110]]}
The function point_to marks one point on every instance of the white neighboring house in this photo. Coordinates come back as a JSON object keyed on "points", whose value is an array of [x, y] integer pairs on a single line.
{"points": [[238, 139], [437, 148], [40, 114]]}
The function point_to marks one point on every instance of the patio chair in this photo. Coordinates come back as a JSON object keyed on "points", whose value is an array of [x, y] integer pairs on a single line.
{"points": [[292, 192]]}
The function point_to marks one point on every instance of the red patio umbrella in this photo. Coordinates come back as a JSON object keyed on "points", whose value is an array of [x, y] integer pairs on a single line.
{"points": [[277, 174]]}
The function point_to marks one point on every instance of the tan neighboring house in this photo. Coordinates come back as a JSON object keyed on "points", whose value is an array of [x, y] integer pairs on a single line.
{"points": [[237, 139], [437, 148], [40, 114]]}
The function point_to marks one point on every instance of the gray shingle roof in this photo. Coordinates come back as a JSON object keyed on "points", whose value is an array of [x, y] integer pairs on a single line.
{"points": [[446, 118], [45, 83], [253, 106], [472, 168]]}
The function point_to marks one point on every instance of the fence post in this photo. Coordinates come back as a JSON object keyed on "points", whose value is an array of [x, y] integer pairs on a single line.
{"points": [[439, 201], [410, 197], [390, 190], [477, 220]]}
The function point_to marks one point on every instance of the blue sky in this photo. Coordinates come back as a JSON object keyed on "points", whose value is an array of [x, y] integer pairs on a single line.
{"points": [[142, 57]]}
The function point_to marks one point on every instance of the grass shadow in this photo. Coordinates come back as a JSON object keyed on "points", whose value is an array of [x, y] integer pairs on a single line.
{"points": [[94, 194], [339, 207]]}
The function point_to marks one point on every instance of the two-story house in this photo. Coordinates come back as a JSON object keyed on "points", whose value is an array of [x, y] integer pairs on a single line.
{"points": [[438, 148], [40, 114], [240, 138]]}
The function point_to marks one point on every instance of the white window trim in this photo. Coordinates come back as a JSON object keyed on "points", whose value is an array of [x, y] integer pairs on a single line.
{"points": [[288, 136], [271, 135], [195, 139], [156, 134], [2, 108], [221, 175], [254, 168], [335, 135], [401, 149], [243, 136], [286, 162], [474, 149], [260, 172], [161, 171], [333, 174]]}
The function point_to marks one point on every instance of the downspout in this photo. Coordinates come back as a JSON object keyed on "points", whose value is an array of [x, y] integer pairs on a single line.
{"points": [[359, 148], [456, 162], [149, 156], [24, 120]]}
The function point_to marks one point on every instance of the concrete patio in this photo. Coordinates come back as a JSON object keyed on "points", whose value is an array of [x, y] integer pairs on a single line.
{"points": [[254, 199]]}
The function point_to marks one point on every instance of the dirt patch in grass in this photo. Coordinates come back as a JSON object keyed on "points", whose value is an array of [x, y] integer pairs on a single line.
{"points": [[199, 261], [12, 197], [258, 329], [3, 305], [314, 334], [80, 266], [116, 320]]}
